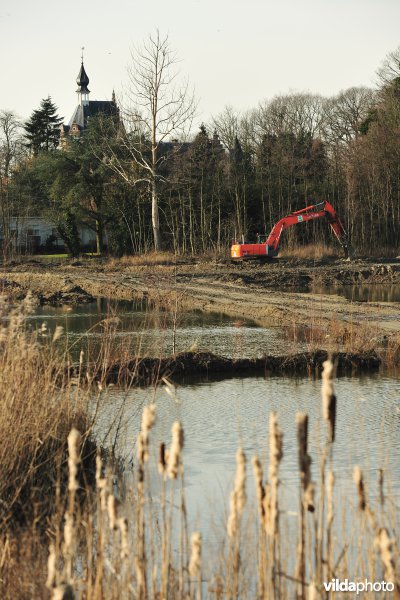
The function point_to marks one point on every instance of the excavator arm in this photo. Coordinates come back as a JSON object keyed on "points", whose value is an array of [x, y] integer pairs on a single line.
{"points": [[270, 247]]}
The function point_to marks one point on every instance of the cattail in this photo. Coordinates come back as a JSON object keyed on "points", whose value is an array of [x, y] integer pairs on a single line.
{"points": [[101, 484], [122, 524], [275, 457], [148, 419], [112, 511], [258, 476], [69, 535], [195, 557], [162, 460], [51, 568], [384, 544], [305, 461], [359, 481], [238, 495], [74, 442], [329, 398], [312, 591], [174, 457], [275, 446], [381, 486], [59, 330]]}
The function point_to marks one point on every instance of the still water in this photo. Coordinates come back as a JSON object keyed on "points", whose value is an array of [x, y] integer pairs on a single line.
{"points": [[364, 293], [217, 417], [150, 331]]}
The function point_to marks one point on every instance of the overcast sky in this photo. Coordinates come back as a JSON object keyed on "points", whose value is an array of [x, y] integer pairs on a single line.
{"points": [[234, 52]]}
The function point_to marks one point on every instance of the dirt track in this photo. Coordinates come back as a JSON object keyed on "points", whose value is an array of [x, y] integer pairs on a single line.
{"points": [[267, 293]]}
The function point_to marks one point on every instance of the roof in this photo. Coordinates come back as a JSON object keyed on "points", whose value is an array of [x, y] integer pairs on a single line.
{"points": [[82, 80], [83, 112]]}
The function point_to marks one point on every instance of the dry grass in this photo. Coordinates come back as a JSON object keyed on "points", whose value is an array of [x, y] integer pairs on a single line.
{"points": [[35, 418], [341, 336], [312, 251], [142, 540], [149, 259], [134, 541]]}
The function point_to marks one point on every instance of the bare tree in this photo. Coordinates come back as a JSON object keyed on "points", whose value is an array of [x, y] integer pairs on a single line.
{"points": [[11, 149], [344, 113], [390, 67], [158, 109]]}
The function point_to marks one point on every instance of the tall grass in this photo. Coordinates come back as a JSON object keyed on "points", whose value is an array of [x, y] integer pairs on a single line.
{"points": [[131, 537], [36, 415], [142, 545]]}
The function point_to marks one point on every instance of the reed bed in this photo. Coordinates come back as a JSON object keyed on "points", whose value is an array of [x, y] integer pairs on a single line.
{"points": [[131, 538], [36, 416], [138, 543]]}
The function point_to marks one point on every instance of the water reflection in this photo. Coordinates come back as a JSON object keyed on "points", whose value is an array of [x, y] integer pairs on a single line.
{"points": [[218, 417], [138, 328], [364, 293]]}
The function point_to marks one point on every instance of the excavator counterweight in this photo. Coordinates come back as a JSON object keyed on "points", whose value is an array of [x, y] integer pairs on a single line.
{"points": [[268, 248]]}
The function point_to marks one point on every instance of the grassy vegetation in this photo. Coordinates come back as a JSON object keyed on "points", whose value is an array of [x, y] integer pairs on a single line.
{"points": [[311, 251], [36, 416], [131, 538]]}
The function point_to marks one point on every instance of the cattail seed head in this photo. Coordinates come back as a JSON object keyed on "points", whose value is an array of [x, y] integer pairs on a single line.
{"points": [[174, 457], [385, 546], [112, 511], [258, 477], [69, 535], [74, 442], [122, 524], [51, 568], [148, 419], [162, 460], [238, 495], [328, 398], [195, 558], [359, 482], [305, 461]]}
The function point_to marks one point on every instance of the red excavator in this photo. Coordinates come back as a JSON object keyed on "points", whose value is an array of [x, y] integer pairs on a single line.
{"points": [[268, 247]]}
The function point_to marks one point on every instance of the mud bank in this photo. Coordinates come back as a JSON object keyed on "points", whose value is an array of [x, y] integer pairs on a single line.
{"points": [[269, 294], [150, 371]]}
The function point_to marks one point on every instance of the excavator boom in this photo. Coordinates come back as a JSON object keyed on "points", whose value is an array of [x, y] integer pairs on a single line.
{"points": [[270, 247]]}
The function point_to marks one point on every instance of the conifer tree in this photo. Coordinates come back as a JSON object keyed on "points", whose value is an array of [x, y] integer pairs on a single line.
{"points": [[43, 127]]}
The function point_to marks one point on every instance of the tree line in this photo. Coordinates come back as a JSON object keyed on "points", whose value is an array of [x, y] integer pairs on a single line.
{"points": [[140, 182]]}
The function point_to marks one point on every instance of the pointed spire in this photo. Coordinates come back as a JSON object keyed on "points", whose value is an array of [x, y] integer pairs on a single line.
{"points": [[113, 99], [83, 81]]}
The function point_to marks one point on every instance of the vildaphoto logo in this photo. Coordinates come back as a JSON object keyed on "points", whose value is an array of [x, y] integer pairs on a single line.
{"points": [[337, 585]]}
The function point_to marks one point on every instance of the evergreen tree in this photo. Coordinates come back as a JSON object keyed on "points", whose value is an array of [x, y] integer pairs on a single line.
{"points": [[43, 127]]}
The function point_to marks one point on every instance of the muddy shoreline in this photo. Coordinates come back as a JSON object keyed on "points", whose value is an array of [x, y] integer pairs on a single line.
{"points": [[268, 294], [145, 371]]}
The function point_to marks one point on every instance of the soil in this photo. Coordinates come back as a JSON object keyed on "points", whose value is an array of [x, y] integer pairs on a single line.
{"points": [[148, 371], [268, 294]]}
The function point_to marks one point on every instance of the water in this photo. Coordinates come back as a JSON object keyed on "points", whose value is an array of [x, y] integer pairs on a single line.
{"points": [[218, 417], [149, 331], [364, 293]]}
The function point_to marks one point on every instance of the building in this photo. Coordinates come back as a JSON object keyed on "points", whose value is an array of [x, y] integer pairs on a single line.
{"points": [[34, 234], [86, 108]]}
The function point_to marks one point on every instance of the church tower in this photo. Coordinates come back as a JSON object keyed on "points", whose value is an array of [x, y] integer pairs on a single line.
{"points": [[86, 108], [83, 81]]}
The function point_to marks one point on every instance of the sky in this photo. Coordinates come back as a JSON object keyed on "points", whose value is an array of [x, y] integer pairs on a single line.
{"points": [[233, 52]]}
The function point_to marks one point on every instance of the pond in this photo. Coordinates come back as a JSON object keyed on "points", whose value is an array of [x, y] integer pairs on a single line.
{"points": [[150, 331], [218, 417]]}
